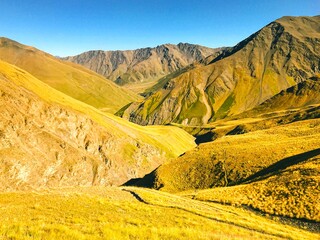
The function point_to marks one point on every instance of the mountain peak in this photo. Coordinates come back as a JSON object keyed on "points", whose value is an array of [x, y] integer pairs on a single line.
{"points": [[301, 27]]}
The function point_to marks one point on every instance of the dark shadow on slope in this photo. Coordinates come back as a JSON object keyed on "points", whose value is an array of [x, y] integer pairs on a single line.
{"points": [[240, 129], [280, 165], [136, 196], [203, 138], [132, 182], [148, 181]]}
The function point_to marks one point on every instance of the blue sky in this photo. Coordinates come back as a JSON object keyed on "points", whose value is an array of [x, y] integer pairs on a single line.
{"points": [[70, 27]]}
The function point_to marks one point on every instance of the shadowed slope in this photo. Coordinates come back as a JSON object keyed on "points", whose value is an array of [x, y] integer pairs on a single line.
{"points": [[279, 56], [50, 139], [282, 164], [71, 79]]}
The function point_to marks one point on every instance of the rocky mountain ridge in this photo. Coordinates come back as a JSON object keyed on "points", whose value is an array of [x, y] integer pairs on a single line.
{"points": [[144, 64]]}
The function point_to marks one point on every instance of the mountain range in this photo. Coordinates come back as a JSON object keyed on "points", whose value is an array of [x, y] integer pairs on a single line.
{"points": [[233, 139], [279, 56], [144, 64]]}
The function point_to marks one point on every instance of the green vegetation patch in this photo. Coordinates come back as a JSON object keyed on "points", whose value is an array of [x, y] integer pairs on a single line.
{"points": [[196, 110], [225, 107]]}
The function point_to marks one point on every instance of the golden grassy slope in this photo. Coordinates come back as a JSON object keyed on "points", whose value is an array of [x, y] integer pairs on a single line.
{"points": [[49, 139], [71, 79], [293, 192], [231, 159], [160, 135], [130, 213]]}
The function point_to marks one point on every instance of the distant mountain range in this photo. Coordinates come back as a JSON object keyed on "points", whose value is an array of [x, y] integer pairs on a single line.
{"points": [[141, 65], [279, 56]]}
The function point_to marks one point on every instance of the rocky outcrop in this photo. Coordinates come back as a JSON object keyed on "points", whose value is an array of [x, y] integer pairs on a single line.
{"points": [[145, 64], [45, 143], [277, 57]]}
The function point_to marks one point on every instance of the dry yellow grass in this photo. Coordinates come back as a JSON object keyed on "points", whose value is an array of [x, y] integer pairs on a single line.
{"points": [[50, 139], [130, 213], [69, 78], [231, 159], [293, 192], [171, 139]]}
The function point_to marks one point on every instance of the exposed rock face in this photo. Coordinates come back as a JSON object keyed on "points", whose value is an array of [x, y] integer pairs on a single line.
{"points": [[279, 56], [44, 143], [143, 64]]}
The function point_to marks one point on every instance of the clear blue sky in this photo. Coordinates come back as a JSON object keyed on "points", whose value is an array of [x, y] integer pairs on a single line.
{"points": [[69, 27]]}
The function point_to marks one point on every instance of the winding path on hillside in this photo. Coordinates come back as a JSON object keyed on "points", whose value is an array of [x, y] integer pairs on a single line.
{"points": [[204, 100], [228, 216]]}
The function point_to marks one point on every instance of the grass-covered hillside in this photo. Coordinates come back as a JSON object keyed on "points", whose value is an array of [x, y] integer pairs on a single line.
{"points": [[274, 170], [231, 159], [130, 213], [277, 57], [289, 188], [71, 79], [50, 139]]}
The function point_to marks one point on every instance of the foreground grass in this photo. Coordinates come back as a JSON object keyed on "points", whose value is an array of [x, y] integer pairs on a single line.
{"points": [[129, 213]]}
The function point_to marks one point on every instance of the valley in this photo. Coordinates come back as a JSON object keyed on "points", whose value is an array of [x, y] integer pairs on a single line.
{"points": [[169, 142]]}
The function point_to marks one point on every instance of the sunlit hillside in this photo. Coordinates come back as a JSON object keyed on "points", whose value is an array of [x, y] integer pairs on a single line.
{"points": [[50, 139], [71, 79], [277, 57], [231, 149], [131, 213]]}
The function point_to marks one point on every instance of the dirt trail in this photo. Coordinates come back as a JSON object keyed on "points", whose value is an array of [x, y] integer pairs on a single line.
{"points": [[204, 100]]}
